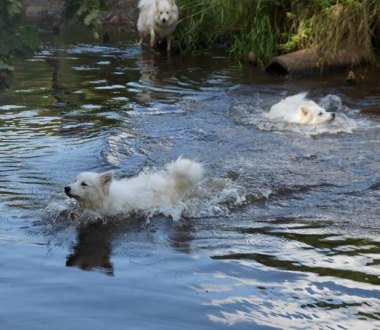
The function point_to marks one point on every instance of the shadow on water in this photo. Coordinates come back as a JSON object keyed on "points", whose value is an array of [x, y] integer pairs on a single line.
{"points": [[282, 233]]}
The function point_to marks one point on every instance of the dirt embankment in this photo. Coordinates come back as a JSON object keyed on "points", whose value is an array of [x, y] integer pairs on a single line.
{"points": [[121, 13]]}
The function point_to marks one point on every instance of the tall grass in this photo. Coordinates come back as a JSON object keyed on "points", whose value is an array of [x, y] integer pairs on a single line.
{"points": [[347, 24], [272, 27], [198, 29], [244, 25]]}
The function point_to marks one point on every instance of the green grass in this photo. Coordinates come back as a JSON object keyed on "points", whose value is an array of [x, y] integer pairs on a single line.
{"points": [[272, 27]]}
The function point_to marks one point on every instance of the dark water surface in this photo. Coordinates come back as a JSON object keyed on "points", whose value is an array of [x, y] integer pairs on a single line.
{"points": [[284, 233]]}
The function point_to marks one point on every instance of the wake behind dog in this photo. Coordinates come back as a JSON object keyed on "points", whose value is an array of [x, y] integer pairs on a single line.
{"points": [[159, 191]]}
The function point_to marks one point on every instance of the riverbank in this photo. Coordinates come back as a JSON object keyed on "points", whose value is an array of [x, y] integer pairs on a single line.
{"points": [[259, 35], [120, 13]]}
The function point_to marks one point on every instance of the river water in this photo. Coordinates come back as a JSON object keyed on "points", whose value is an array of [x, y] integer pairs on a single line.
{"points": [[282, 234]]}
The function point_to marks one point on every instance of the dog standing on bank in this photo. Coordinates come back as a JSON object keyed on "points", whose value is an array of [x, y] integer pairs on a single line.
{"points": [[157, 20]]}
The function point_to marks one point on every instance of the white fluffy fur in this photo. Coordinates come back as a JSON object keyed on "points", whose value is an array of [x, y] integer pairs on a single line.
{"points": [[157, 20], [101, 193], [299, 110]]}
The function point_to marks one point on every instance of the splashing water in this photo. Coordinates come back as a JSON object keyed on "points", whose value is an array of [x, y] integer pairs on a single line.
{"points": [[346, 120], [212, 198]]}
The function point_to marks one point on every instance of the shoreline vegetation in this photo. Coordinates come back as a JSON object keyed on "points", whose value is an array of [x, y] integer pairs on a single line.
{"points": [[251, 31], [258, 30]]}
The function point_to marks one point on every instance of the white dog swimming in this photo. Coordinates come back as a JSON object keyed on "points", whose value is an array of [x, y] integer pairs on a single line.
{"points": [[157, 20], [299, 110], [99, 192]]}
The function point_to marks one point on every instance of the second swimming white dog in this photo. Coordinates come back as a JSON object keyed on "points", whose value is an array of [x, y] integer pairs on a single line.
{"points": [[101, 193], [157, 20], [299, 110]]}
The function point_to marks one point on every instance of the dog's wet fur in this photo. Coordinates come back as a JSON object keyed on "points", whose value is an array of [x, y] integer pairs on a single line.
{"points": [[101, 193], [297, 109]]}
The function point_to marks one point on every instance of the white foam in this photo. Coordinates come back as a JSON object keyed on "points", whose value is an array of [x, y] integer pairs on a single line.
{"points": [[341, 124]]}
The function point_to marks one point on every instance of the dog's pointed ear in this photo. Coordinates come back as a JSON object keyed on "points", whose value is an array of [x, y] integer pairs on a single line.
{"points": [[304, 111], [106, 178]]}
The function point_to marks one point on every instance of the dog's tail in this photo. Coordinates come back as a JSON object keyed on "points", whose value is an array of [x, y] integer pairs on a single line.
{"points": [[185, 172]]}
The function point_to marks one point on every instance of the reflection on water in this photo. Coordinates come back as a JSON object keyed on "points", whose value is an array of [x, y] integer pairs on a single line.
{"points": [[92, 250], [283, 233], [313, 280]]}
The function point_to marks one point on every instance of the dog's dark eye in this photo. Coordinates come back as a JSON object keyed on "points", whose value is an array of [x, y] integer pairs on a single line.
{"points": [[161, 12], [320, 114], [84, 184], [167, 12]]}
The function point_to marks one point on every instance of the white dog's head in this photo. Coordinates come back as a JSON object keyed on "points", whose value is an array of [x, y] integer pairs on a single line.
{"points": [[90, 189], [311, 113], [167, 12]]}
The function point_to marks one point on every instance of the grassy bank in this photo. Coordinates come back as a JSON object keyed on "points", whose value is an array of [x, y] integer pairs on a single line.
{"points": [[272, 27]]}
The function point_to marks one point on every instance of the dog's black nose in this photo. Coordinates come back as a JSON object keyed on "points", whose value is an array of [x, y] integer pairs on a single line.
{"points": [[164, 20], [67, 190], [333, 115]]}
